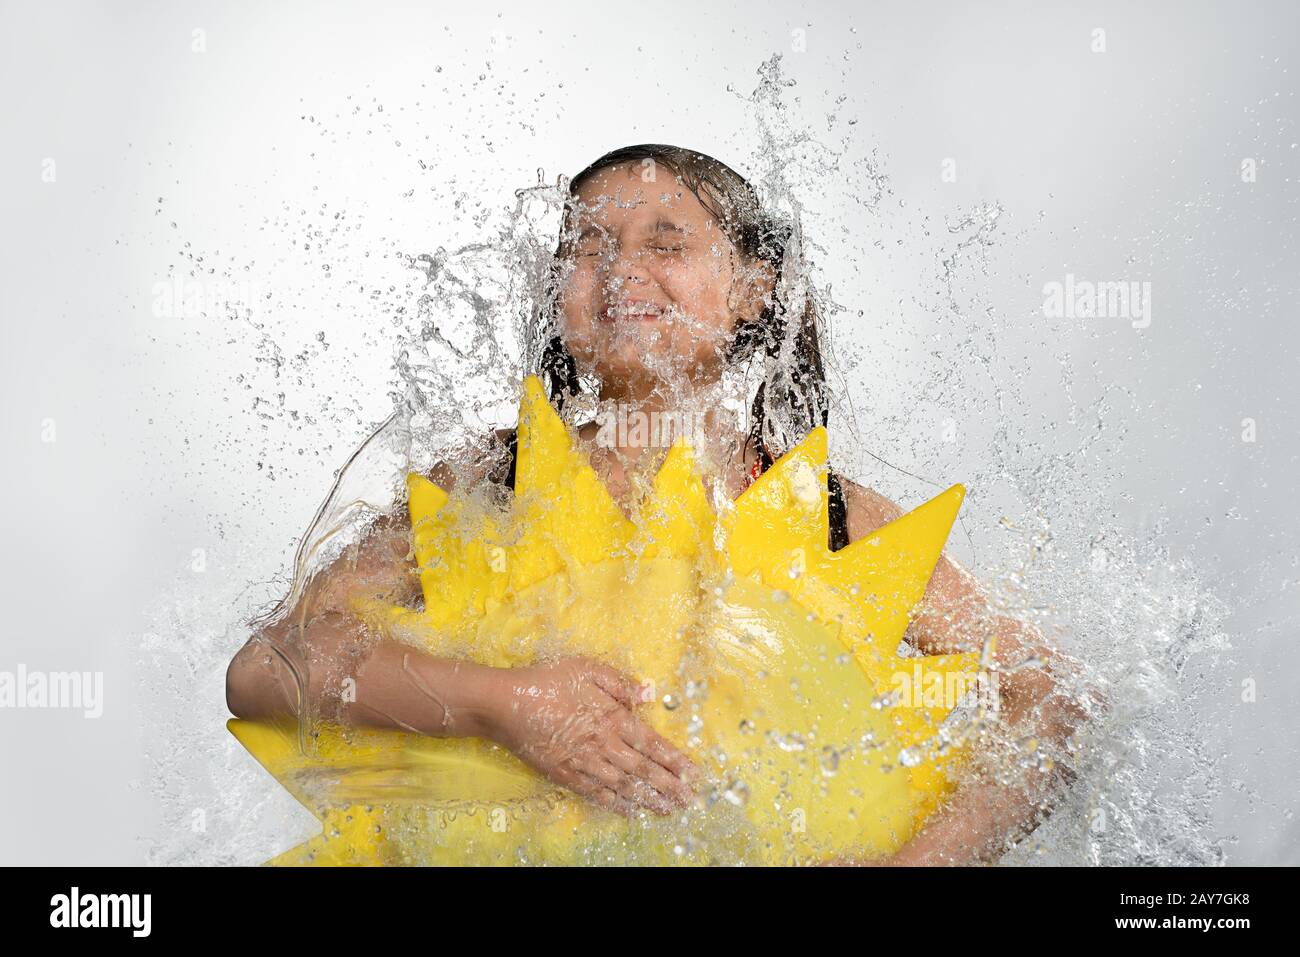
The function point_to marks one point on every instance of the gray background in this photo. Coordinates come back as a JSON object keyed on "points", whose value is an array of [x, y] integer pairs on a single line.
{"points": [[266, 158]]}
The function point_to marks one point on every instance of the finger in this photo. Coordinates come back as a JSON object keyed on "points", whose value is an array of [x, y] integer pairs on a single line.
{"points": [[604, 773], [649, 773], [618, 781], [626, 691], [640, 736], [594, 791], [637, 791]]}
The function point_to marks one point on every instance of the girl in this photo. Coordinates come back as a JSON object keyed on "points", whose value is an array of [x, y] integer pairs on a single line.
{"points": [[669, 281]]}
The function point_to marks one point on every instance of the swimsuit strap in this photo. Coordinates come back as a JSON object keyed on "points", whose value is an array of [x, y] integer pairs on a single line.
{"points": [[836, 506]]}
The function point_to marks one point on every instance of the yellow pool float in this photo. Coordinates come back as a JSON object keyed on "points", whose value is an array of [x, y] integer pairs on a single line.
{"points": [[776, 664]]}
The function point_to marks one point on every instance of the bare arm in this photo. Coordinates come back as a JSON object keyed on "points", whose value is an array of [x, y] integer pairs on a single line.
{"points": [[318, 659], [573, 720], [981, 820]]}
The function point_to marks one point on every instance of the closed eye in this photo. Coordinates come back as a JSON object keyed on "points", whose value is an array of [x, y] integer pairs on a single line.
{"points": [[592, 241]]}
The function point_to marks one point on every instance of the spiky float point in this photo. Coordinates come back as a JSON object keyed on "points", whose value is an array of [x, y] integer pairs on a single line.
{"points": [[776, 659]]}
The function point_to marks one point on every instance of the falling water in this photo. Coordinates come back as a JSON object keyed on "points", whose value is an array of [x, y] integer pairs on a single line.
{"points": [[928, 390]]}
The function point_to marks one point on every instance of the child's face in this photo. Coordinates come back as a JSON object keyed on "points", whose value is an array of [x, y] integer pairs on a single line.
{"points": [[657, 288]]}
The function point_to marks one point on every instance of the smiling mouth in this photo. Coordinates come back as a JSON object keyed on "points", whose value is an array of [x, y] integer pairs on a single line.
{"points": [[632, 311]]}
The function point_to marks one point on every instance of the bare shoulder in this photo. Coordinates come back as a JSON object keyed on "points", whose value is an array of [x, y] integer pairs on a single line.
{"points": [[954, 602], [487, 458], [867, 509]]}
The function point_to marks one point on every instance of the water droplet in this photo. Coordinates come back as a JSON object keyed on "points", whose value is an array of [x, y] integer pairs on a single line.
{"points": [[830, 761], [737, 793]]}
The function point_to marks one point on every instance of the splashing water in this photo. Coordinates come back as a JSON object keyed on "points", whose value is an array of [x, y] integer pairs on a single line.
{"points": [[921, 349]]}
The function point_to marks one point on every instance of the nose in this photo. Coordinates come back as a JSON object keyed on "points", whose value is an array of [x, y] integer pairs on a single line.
{"points": [[626, 269]]}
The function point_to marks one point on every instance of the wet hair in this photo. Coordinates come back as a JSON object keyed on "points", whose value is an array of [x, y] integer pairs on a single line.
{"points": [[785, 335]]}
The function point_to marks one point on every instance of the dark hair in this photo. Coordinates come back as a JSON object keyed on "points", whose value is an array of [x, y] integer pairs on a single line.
{"points": [[794, 372]]}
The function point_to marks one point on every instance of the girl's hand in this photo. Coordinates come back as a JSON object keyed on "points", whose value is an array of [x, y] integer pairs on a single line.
{"points": [[573, 721]]}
